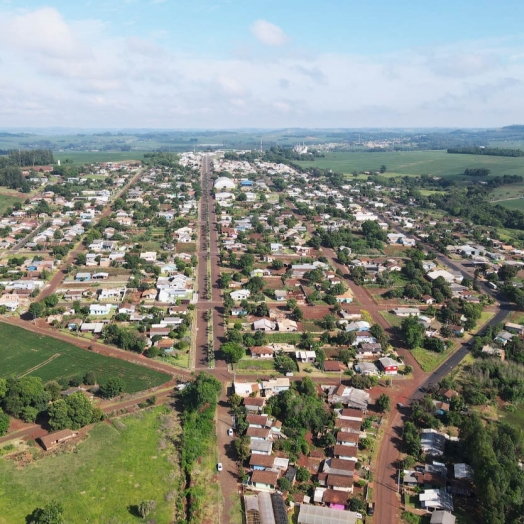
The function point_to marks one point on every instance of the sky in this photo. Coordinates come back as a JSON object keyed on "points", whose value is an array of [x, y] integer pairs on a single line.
{"points": [[225, 64]]}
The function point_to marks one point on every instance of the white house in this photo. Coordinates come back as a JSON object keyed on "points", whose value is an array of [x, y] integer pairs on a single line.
{"points": [[99, 309], [240, 294]]}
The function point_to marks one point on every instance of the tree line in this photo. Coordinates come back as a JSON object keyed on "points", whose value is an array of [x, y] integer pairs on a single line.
{"points": [[489, 151]]}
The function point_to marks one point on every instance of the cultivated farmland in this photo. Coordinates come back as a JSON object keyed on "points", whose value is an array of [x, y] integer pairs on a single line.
{"points": [[438, 163], [23, 352]]}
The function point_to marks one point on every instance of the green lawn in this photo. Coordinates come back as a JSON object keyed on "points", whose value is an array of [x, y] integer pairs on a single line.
{"points": [[112, 471], [430, 360], [438, 163], [21, 351], [249, 364]]}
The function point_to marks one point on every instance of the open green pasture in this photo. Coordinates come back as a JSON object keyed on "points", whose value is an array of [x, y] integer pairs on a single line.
{"points": [[22, 351], [513, 205], [102, 480], [7, 201], [437, 163]]}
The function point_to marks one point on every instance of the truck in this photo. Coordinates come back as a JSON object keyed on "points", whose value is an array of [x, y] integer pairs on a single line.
{"points": [[492, 285]]}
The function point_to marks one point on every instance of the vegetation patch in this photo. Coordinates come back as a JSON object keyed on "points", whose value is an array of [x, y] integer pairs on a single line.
{"points": [[142, 468], [430, 360]]}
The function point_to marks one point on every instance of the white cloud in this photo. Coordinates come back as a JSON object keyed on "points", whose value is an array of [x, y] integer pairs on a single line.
{"points": [[268, 34], [42, 32], [77, 73]]}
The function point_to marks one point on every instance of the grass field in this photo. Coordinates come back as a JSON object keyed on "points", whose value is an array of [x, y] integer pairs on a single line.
{"points": [[249, 364], [438, 163], [513, 205], [21, 351], [7, 201], [82, 482], [430, 360]]}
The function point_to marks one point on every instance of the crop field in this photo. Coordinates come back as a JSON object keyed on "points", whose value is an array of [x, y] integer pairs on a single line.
{"points": [[438, 163], [91, 157], [82, 482], [23, 352]]}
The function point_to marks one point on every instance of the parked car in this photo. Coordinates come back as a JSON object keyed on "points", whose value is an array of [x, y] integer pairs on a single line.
{"points": [[371, 508], [400, 405], [230, 432], [219, 466]]}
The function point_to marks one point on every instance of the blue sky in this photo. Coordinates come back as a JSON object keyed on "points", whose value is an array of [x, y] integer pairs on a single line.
{"points": [[266, 63]]}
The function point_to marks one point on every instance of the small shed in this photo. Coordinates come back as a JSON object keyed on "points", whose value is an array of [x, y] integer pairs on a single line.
{"points": [[58, 437]]}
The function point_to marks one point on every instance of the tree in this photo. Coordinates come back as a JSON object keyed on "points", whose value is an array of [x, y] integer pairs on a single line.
{"points": [[413, 332], [59, 415], [383, 168], [256, 284], [233, 351], [320, 358], [242, 447], [4, 423], [411, 439], [303, 475], [36, 309], [356, 504], [383, 403], [146, 507], [113, 387], [284, 484], [52, 513]]}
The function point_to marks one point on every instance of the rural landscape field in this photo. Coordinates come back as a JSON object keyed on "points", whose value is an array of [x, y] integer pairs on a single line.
{"points": [[103, 479]]}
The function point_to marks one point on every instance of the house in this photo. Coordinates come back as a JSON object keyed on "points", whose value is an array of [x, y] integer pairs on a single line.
{"points": [[254, 404], [11, 302], [345, 438], [369, 350], [275, 386], [406, 311], [280, 295], [497, 352], [262, 352], [148, 256], [82, 277], [240, 294], [442, 517], [367, 368], [345, 298], [309, 514], [100, 309], [264, 324], [92, 327], [238, 311], [148, 294], [287, 325], [456, 330], [436, 499], [334, 366], [264, 480], [432, 442], [58, 437], [343, 452], [514, 328], [244, 389], [305, 357], [351, 414], [261, 447], [446, 275], [388, 365], [258, 433], [503, 337], [348, 396]]}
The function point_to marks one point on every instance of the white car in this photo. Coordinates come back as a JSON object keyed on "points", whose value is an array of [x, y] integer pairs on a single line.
{"points": [[230, 432], [219, 466]]}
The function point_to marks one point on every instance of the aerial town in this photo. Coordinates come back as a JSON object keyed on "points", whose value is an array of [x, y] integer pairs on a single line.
{"points": [[326, 314]]}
